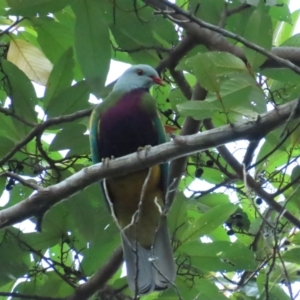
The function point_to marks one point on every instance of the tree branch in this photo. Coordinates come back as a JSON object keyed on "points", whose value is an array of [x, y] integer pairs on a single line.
{"points": [[38, 129], [216, 42], [98, 280], [176, 10], [181, 146]]}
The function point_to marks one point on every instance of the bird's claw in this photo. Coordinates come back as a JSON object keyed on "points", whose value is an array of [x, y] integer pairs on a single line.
{"points": [[146, 148], [105, 160]]}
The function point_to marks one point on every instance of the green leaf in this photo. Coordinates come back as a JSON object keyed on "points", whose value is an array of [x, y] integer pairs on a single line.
{"points": [[220, 256], [60, 78], [53, 37], [92, 42], [205, 71], [281, 13], [292, 255], [47, 283], [2, 184], [21, 91], [208, 290], [286, 30], [197, 109], [72, 99], [41, 241], [258, 31], [293, 41], [13, 258], [281, 74], [226, 63], [177, 216], [6, 145], [71, 137], [33, 7], [214, 218]]}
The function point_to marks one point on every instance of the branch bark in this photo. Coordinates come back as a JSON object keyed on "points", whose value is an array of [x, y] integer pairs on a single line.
{"points": [[181, 146], [213, 38]]}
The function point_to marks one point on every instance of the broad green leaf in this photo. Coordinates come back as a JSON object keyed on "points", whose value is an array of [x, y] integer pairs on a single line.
{"points": [[2, 184], [71, 137], [293, 41], [220, 256], [33, 7], [6, 145], [40, 241], [281, 13], [292, 255], [21, 91], [138, 34], [177, 216], [205, 71], [208, 290], [47, 283], [285, 30], [53, 37], [92, 42], [210, 10], [60, 78], [212, 219], [259, 31], [13, 258], [214, 199], [240, 91], [226, 63], [197, 109], [30, 60], [282, 75], [72, 99]]}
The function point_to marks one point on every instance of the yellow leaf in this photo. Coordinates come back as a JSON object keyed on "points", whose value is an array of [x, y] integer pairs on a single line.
{"points": [[30, 60]]}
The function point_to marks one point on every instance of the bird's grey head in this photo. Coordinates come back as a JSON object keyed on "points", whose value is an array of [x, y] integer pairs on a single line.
{"points": [[138, 76]]}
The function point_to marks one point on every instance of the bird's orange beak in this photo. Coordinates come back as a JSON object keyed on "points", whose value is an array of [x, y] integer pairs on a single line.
{"points": [[158, 80]]}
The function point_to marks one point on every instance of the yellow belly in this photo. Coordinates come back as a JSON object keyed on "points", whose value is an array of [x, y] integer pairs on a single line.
{"points": [[138, 195]]}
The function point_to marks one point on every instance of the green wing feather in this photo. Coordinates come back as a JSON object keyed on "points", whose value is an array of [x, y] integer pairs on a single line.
{"points": [[94, 126], [149, 104]]}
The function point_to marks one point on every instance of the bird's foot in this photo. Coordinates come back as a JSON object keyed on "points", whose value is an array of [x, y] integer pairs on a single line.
{"points": [[146, 148], [105, 161]]}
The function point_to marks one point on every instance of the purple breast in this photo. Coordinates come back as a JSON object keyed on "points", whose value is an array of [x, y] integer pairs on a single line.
{"points": [[126, 126]]}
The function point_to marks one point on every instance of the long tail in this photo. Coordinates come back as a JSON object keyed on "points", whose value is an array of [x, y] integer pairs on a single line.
{"points": [[150, 269]]}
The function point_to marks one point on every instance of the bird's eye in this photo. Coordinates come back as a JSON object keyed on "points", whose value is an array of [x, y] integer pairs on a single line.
{"points": [[139, 72]]}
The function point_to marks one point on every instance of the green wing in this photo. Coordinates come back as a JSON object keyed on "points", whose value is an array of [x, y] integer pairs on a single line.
{"points": [[149, 104], [94, 133]]}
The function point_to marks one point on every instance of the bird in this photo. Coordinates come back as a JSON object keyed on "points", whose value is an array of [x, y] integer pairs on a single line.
{"points": [[126, 121]]}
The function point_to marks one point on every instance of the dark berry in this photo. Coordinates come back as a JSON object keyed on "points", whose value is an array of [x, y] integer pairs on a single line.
{"points": [[9, 187], [209, 163], [258, 201], [199, 173], [19, 167]]}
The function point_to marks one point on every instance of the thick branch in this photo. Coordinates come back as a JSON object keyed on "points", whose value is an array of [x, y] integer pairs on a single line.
{"points": [[44, 198], [212, 37], [189, 17]]}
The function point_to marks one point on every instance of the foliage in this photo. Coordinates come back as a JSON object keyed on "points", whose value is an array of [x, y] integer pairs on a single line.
{"points": [[228, 242]]}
